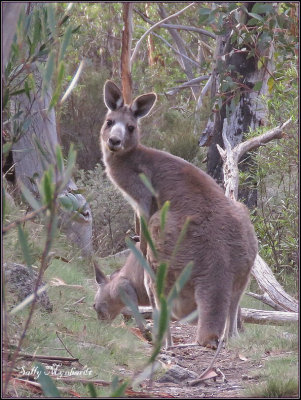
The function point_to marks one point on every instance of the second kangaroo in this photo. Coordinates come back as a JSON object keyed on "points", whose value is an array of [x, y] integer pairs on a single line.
{"points": [[220, 239]]}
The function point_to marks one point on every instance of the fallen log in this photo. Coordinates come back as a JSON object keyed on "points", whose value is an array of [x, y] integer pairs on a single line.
{"points": [[249, 315], [264, 317], [268, 284]]}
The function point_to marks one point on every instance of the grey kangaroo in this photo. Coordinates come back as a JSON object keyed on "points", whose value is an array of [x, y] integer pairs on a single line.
{"points": [[220, 239], [129, 279]]}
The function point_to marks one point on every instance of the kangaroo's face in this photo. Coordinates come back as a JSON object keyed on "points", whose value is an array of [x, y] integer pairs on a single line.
{"points": [[103, 304], [107, 308], [119, 132]]}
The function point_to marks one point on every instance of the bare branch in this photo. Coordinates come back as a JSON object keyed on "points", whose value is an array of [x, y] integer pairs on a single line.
{"points": [[173, 49], [265, 298], [192, 82], [152, 28], [27, 217], [203, 94], [180, 27], [253, 143]]}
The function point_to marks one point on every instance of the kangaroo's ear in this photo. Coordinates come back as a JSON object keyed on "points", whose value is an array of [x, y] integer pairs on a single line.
{"points": [[112, 96], [142, 105], [99, 275]]}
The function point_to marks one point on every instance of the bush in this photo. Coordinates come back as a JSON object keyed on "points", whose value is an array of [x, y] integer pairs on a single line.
{"points": [[113, 217]]}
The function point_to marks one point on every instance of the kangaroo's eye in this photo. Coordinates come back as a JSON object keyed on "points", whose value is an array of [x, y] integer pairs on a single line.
{"points": [[109, 122], [131, 128]]}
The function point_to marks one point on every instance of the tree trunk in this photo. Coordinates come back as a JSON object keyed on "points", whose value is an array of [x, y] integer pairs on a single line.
{"points": [[30, 163], [238, 81], [127, 33], [11, 12]]}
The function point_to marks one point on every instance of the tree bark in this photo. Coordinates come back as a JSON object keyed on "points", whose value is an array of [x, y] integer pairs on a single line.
{"points": [[238, 108], [127, 34], [30, 163], [11, 12], [248, 315], [231, 157], [268, 317]]}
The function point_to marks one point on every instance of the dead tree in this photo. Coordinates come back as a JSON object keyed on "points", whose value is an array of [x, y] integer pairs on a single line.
{"points": [[231, 157]]}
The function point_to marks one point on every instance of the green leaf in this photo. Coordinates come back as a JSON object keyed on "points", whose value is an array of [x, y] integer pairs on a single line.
{"points": [[164, 318], [271, 82], [128, 302], [36, 28], [147, 236], [261, 8], [257, 86], [29, 197], [6, 148], [75, 30], [148, 184], [92, 390], [66, 203], [16, 92], [163, 215], [24, 246], [65, 42], [139, 256], [5, 98], [160, 278], [256, 16], [180, 238], [59, 159], [180, 282], [119, 392], [57, 92], [27, 89], [48, 386], [46, 188], [51, 18], [49, 69]]}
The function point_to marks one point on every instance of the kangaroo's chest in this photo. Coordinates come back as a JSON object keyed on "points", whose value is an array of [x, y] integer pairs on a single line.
{"points": [[125, 182]]}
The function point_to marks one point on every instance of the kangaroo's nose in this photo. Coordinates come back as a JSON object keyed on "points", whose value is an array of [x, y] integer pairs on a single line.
{"points": [[114, 141]]}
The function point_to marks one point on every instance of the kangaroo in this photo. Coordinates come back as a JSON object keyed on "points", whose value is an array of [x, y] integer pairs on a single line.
{"points": [[220, 239], [129, 279]]}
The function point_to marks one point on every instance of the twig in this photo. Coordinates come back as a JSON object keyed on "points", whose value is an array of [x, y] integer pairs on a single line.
{"points": [[173, 49], [200, 378], [180, 27], [188, 84], [66, 348], [27, 217], [152, 28], [78, 301], [43, 357], [49, 239]]}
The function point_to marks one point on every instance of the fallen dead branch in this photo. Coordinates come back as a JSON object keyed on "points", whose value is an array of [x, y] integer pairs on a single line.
{"points": [[42, 357], [268, 317], [35, 387]]}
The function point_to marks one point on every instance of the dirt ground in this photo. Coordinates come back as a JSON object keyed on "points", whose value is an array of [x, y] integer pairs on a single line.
{"points": [[235, 369]]}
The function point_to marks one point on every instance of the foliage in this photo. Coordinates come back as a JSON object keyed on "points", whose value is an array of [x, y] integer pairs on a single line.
{"points": [[276, 217], [40, 43], [113, 217]]}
